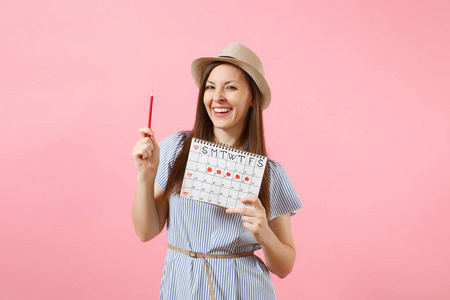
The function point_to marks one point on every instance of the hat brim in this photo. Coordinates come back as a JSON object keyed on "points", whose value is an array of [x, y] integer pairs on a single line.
{"points": [[199, 65]]}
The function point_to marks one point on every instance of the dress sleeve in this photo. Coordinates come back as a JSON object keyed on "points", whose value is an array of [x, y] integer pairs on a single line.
{"points": [[169, 149], [283, 198]]}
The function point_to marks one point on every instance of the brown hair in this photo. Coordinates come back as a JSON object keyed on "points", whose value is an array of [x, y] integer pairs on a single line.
{"points": [[252, 139]]}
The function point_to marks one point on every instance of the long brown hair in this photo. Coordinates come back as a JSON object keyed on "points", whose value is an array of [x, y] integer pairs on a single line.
{"points": [[252, 139]]}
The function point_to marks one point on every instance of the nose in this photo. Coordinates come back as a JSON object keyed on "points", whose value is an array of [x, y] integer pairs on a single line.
{"points": [[218, 95]]}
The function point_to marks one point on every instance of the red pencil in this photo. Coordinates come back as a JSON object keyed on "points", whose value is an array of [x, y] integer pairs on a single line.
{"points": [[150, 112]]}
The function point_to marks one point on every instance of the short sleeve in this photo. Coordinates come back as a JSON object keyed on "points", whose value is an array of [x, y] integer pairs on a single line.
{"points": [[283, 198], [169, 150]]}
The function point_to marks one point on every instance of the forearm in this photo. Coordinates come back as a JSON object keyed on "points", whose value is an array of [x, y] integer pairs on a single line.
{"points": [[146, 219], [279, 257], [274, 236]]}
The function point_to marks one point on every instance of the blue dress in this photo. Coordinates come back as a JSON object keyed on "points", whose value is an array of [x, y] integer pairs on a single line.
{"points": [[200, 227]]}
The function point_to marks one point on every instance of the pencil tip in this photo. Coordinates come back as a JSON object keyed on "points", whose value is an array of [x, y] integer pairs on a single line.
{"points": [[152, 93]]}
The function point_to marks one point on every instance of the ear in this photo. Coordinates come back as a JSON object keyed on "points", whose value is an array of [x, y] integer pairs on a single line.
{"points": [[252, 102]]}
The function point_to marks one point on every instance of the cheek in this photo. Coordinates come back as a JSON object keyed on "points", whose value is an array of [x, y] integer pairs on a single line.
{"points": [[205, 102], [247, 104]]}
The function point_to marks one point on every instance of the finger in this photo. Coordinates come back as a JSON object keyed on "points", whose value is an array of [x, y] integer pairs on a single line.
{"points": [[155, 143], [146, 142], [151, 141], [137, 151], [140, 149], [235, 210], [146, 153], [149, 146], [138, 154], [253, 200], [247, 219], [135, 154], [241, 210], [249, 226], [144, 131], [143, 151]]}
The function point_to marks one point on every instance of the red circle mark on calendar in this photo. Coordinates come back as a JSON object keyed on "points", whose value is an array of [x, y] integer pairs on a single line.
{"points": [[219, 172], [247, 179], [237, 176], [195, 147], [228, 174], [209, 169], [185, 193], [189, 174]]}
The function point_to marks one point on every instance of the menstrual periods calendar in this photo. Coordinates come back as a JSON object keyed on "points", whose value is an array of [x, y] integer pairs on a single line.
{"points": [[220, 175]]}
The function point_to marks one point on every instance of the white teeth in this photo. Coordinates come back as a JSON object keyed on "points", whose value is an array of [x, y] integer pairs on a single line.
{"points": [[222, 110]]}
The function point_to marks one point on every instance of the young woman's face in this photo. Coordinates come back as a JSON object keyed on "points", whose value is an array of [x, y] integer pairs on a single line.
{"points": [[227, 98]]}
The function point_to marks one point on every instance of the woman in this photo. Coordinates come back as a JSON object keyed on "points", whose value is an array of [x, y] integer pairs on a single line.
{"points": [[210, 251]]}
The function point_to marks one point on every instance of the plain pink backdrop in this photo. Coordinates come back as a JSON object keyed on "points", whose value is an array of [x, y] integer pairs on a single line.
{"points": [[359, 118]]}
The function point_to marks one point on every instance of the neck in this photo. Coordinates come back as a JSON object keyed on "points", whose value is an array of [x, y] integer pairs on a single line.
{"points": [[227, 137]]}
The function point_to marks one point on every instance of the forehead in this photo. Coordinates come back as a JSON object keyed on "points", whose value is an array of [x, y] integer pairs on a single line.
{"points": [[226, 72]]}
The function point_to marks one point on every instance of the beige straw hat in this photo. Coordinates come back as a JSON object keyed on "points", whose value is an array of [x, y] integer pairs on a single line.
{"points": [[242, 57]]}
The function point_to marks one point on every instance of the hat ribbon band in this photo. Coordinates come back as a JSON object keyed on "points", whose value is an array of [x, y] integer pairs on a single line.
{"points": [[227, 57]]}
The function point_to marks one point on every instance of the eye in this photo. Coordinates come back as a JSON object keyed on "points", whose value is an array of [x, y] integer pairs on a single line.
{"points": [[231, 87], [209, 87]]}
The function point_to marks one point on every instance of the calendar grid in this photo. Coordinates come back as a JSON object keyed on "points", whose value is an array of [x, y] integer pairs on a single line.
{"points": [[220, 175]]}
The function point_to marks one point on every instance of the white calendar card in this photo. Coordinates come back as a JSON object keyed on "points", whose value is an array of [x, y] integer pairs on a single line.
{"points": [[221, 175]]}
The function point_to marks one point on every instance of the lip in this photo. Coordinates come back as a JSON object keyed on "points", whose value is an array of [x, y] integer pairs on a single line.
{"points": [[220, 115]]}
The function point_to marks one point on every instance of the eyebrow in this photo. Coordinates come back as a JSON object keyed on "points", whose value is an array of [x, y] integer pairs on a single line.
{"points": [[226, 82]]}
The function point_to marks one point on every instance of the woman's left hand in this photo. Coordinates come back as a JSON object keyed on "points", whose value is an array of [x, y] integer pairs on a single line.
{"points": [[255, 219]]}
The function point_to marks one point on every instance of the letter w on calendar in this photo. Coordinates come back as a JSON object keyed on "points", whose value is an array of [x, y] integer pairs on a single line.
{"points": [[220, 175]]}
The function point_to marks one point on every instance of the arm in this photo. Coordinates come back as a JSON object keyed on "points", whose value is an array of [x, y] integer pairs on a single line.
{"points": [[279, 249], [274, 236], [149, 211]]}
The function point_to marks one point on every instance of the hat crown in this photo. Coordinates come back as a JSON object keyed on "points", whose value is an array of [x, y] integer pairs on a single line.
{"points": [[242, 53]]}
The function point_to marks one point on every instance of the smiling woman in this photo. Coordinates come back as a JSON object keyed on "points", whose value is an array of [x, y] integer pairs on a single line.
{"points": [[232, 95]]}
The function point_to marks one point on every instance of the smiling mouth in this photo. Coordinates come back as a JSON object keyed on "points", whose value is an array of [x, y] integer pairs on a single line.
{"points": [[222, 110]]}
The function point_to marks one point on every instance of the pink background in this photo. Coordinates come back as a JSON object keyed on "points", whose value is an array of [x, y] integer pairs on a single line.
{"points": [[359, 118]]}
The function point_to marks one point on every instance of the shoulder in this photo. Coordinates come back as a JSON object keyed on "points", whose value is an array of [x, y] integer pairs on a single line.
{"points": [[276, 171], [273, 163], [174, 141], [171, 146], [283, 197]]}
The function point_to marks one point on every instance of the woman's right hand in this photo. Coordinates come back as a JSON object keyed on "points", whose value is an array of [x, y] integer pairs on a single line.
{"points": [[146, 154]]}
